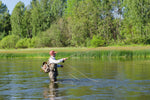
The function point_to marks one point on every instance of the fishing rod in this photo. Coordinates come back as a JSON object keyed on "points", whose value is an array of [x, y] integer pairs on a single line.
{"points": [[70, 56], [78, 53]]}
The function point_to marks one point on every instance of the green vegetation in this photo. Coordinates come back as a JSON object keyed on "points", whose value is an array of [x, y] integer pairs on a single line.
{"points": [[76, 23], [9, 41], [102, 52]]}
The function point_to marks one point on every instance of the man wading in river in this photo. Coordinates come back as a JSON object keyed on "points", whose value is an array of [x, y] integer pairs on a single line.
{"points": [[52, 65]]}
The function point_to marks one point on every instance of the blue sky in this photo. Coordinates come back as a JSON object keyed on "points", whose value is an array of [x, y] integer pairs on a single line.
{"points": [[11, 3]]}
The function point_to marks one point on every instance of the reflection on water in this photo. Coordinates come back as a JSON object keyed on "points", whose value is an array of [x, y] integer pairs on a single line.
{"points": [[80, 79], [51, 92]]}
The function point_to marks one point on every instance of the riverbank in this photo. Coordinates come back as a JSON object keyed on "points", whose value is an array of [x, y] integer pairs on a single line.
{"points": [[134, 51]]}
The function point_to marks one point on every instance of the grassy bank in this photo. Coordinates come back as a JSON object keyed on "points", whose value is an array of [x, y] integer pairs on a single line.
{"points": [[137, 51]]}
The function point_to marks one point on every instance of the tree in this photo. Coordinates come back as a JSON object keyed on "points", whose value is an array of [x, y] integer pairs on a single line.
{"points": [[17, 18], [71, 5], [84, 20], [56, 10], [45, 23], [44, 13], [26, 21], [136, 18], [35, 17], [5, 25]]}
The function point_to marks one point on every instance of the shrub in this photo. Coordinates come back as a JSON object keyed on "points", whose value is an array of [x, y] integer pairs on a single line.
{"points": [[34, 42], [22, 43], [27, 43], [138, 40], [9, 41], [97, 41], [147, 40], [45, 40], [134, 40], [53, 37]]}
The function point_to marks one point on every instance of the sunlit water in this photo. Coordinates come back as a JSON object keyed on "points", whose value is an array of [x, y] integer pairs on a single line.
{"points": [[80, 79]]}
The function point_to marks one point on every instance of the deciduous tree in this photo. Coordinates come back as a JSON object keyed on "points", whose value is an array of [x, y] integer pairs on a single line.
{"points": [[17, 18]]}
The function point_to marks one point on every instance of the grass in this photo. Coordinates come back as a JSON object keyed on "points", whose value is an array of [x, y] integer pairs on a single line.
{"points": [[135, 51]]}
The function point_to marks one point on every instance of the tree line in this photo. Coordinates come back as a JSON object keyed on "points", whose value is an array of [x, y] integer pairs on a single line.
{"points": [[80, 23]]}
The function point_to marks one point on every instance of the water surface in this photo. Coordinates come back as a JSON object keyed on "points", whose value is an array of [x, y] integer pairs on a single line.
{"points": [[80, 79]]}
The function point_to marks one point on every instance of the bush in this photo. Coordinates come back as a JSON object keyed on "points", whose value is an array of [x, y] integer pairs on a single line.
{"points": [[22, 43], [138, 40], [9, 41], [33, 43], [97, 41], [45, 40], [27, 43], [147, 40], [134, 40], [55, 36]]}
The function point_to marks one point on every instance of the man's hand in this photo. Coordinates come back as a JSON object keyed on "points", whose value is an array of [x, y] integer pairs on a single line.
{"points": [[65, 59], [62, 66]]}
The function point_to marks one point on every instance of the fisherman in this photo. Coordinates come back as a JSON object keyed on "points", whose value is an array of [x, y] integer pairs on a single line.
{"points": [[53, 64]]}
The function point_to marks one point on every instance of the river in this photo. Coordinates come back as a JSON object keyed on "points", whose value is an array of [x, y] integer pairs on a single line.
{"points": [[80, 79]]}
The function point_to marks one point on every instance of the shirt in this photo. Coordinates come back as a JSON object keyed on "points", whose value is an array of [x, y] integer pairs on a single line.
{"points": [[53, 60]]}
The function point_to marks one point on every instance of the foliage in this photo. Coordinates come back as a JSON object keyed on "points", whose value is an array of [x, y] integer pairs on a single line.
{"points": [[26, 21], [55, 36], [136, 18], [9, 41], [5, 25], [44, 40], [79, 23], [27, 43], [147, 40], [108, 52], [36, 18], [22, 43], [16, 19], [97, 41], [82, 21]]}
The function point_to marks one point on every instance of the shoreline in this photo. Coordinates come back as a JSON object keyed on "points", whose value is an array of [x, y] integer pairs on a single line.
{"points": [[137, 51]]}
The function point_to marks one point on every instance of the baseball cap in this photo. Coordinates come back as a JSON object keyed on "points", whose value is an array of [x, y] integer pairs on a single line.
{"points": [[52, 52]]}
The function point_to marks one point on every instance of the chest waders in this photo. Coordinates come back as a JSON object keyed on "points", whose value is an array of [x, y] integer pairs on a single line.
{"points": [[53, 73]]}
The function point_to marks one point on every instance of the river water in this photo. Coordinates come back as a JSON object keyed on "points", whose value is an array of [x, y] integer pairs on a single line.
{"points": [[80, 79]]}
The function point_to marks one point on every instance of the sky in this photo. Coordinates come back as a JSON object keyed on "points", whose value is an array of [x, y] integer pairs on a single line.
{"points": [[11, 3]]}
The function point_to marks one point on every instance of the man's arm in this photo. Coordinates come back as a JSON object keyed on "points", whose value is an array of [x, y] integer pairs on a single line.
{"points": [[60, 65], [53, 60]]}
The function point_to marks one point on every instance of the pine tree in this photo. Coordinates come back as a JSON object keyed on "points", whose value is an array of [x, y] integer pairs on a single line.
{"points": [[5, 25]]}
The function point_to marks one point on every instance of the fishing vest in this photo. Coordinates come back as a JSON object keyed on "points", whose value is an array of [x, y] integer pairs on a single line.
{"points": [[45, 67], [49, 67]]}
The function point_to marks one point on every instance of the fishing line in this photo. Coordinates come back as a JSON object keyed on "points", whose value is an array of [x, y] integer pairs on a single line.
{"points": [[82, 73], [74, 76], [76, 53]]}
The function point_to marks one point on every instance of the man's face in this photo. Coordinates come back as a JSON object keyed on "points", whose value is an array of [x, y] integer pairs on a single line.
{"points": [[54, 54]]}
